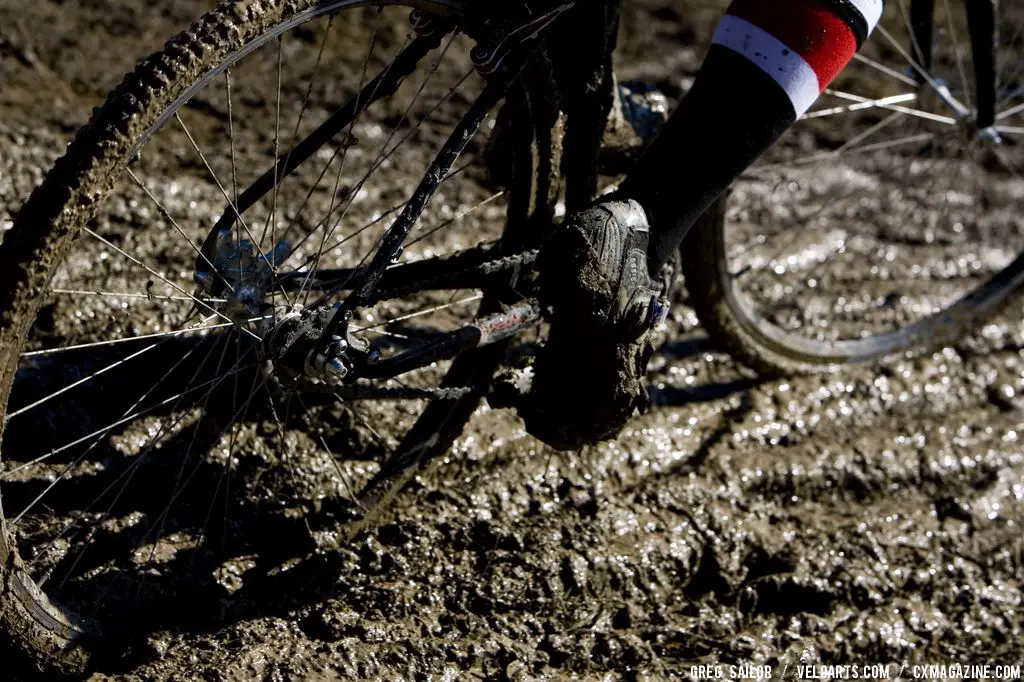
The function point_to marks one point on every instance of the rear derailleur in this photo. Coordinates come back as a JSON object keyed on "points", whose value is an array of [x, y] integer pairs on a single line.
{"points": [[295, 347]]}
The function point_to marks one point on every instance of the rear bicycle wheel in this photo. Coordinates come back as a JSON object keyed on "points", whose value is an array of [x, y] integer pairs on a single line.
{"points": [[884, 221], [152, 463]]}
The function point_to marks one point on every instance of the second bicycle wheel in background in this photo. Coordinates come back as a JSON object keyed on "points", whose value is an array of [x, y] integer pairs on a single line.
{"points": [[855, 237]]}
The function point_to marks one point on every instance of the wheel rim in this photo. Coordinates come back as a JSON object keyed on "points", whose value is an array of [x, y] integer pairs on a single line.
{"points": [[187, 415], [851, 238]]}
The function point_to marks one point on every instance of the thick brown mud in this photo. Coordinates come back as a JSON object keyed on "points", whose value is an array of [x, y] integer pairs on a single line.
{"points": [[867, 516]]}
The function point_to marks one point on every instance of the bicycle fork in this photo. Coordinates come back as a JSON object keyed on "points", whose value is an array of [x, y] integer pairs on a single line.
{"points": [[982, 26]]}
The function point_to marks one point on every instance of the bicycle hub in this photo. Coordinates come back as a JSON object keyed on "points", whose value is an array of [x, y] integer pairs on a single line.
{"points": [[240, 275]]}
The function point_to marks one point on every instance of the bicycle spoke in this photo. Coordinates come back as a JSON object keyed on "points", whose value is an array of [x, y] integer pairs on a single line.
{"points": [[381, 155], [180, 485], [959, 107], [420, 313], [220, 186], [938, 118], [390, 243], [383, 216], [258, 381], [312, 79], [280, 430], [795, 231], [920, 138], [404, 206], [129, 473], [231, 141], [234, 171], [911, 34], [331, 457], [1018, 70], [379, 438], [1004, 164], [851, 144], [861, 106], [82, 381], [109, 427], [881, 68], [153, 272], [383, 84], [129, 295], [167, 216], [126, 414], [1016, 92], [458, 217], [345, 146], [209, 513], [1012, 111], [359, 105], [141, 337], [272, 218]]}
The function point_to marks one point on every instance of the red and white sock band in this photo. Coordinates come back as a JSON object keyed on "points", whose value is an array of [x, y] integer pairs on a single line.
{"points": [[801, 44]]}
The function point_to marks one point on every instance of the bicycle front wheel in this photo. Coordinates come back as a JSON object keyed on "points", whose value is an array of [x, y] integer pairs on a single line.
{"points": [[885, 221]]}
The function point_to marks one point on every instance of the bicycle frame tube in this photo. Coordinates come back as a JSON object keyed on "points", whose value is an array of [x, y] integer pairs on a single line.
{"points": [[581, 57]]}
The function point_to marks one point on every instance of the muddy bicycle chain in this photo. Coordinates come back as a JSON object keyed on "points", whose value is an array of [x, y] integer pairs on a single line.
{"points": [[484, 269], [357, 391]]}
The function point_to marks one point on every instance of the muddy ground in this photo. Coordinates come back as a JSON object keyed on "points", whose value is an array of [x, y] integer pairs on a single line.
{"points": [[869, 516]]}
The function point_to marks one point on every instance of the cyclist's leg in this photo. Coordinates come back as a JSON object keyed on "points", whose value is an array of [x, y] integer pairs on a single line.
{"points": [[768, 63]]}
